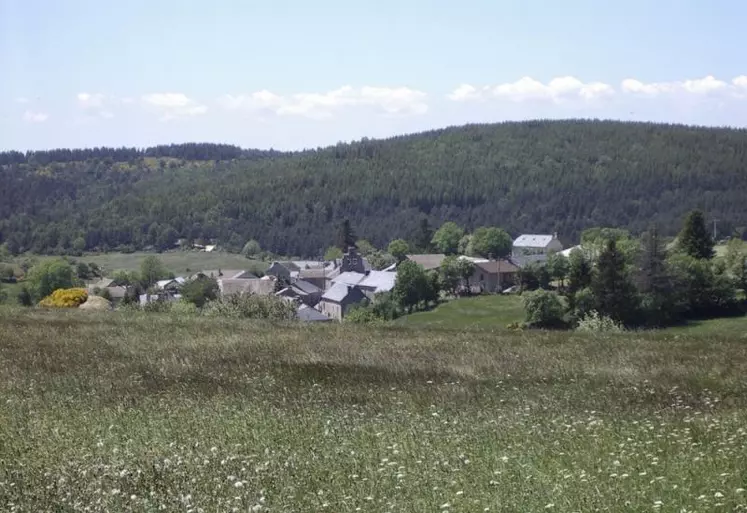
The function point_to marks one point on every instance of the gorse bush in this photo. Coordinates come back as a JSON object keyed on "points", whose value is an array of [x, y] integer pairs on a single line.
{"points": [[593, 322], [65, 298], [251, 306]]}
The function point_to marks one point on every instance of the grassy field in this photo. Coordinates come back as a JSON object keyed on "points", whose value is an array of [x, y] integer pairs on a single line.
{"points": [[109, 412], [179, 262], [487, 312]]}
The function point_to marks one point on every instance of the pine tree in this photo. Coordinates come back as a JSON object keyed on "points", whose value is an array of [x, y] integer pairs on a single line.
{"points": [[655, 282], [423, 236], [346, 237], [694, 238], [614, 293]]}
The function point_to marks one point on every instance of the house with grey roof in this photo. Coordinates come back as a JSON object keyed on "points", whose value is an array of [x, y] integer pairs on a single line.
{"points": [[529, 248], [307, 314], [259, 286], [338, 300], [376, 282], [303, 291]]}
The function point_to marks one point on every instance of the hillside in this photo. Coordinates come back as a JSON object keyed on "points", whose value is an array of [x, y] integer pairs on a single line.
{"points": [[538, 176]]}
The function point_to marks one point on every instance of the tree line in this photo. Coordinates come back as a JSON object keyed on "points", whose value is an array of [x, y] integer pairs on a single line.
{"points": [[187, 151], [618, 281], [527, 177]]}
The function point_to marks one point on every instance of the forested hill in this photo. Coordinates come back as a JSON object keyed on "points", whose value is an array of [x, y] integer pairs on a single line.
{"points": [[539, 176]]}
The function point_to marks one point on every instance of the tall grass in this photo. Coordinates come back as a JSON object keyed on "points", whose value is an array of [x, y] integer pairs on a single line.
{"points": [[115, 412]]}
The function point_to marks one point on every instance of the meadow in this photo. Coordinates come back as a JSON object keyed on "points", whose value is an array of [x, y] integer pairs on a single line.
{"points": [[487, 312], [128, 412]]}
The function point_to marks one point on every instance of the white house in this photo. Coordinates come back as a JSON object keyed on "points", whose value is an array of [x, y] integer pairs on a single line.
{"points": [[534, 248]]}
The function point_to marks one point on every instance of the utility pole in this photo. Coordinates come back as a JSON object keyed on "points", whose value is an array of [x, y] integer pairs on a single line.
{"points": [[714, 230]]}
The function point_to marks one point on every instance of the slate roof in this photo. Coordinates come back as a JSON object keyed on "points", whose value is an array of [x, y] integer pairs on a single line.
{"points": [[349, 278], [308, 314], [339, 292], [428, 261], [496, 266], [246, 286], [306, 287], [533, 241], [379, 281]]}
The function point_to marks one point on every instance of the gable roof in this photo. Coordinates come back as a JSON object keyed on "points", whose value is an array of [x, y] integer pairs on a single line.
{"points": [[246, 286], [428, 261], [162, 283], [340, 292], [497, 266], [379, 281], [306, 287], [308, 314], [533, 241], [349, 278]]}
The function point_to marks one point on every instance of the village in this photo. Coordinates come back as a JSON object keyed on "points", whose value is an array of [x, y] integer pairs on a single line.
{"points": [[325, 291]]}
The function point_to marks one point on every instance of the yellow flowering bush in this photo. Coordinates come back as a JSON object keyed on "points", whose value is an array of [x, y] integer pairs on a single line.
{"points": [[65, 298]]}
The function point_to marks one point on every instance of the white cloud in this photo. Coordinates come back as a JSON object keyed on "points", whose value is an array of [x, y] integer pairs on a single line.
{"points": [[706, 86], [174, 105], [92, 101], [35, 117], [528, 89], [391, 101], [97, 104], [464, 92]]}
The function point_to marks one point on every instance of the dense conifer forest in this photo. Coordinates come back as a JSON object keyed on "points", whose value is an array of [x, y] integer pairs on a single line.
{"points": [[537, 176]]}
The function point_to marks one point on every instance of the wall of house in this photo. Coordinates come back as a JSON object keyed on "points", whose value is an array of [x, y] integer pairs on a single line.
{"points": [[331, 309]]}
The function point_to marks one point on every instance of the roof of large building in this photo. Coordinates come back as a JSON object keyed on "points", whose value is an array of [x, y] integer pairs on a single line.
{"points": [[349, 278], [379, 281], [340, 291], [428, 261], [533, 241]]}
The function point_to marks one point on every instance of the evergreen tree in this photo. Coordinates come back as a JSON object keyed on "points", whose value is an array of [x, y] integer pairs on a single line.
{"points": [[346, 237], [579, 271], [614, 293], [423, 236], [694, 239], [656, 285]]}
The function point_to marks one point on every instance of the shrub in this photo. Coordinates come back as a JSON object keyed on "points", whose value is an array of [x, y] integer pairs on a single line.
{"points": [[251, 306], [105, 294], [543, 309], [362, 315], [183, 308], [595, 323], [157, 306], [65, 298], [24, 297]]}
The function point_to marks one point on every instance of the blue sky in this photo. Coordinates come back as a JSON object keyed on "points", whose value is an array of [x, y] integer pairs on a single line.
{"points": [[291, 74]]}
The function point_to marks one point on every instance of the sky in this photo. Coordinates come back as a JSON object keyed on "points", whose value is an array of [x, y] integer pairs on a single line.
{"points": [[295, 74]]}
